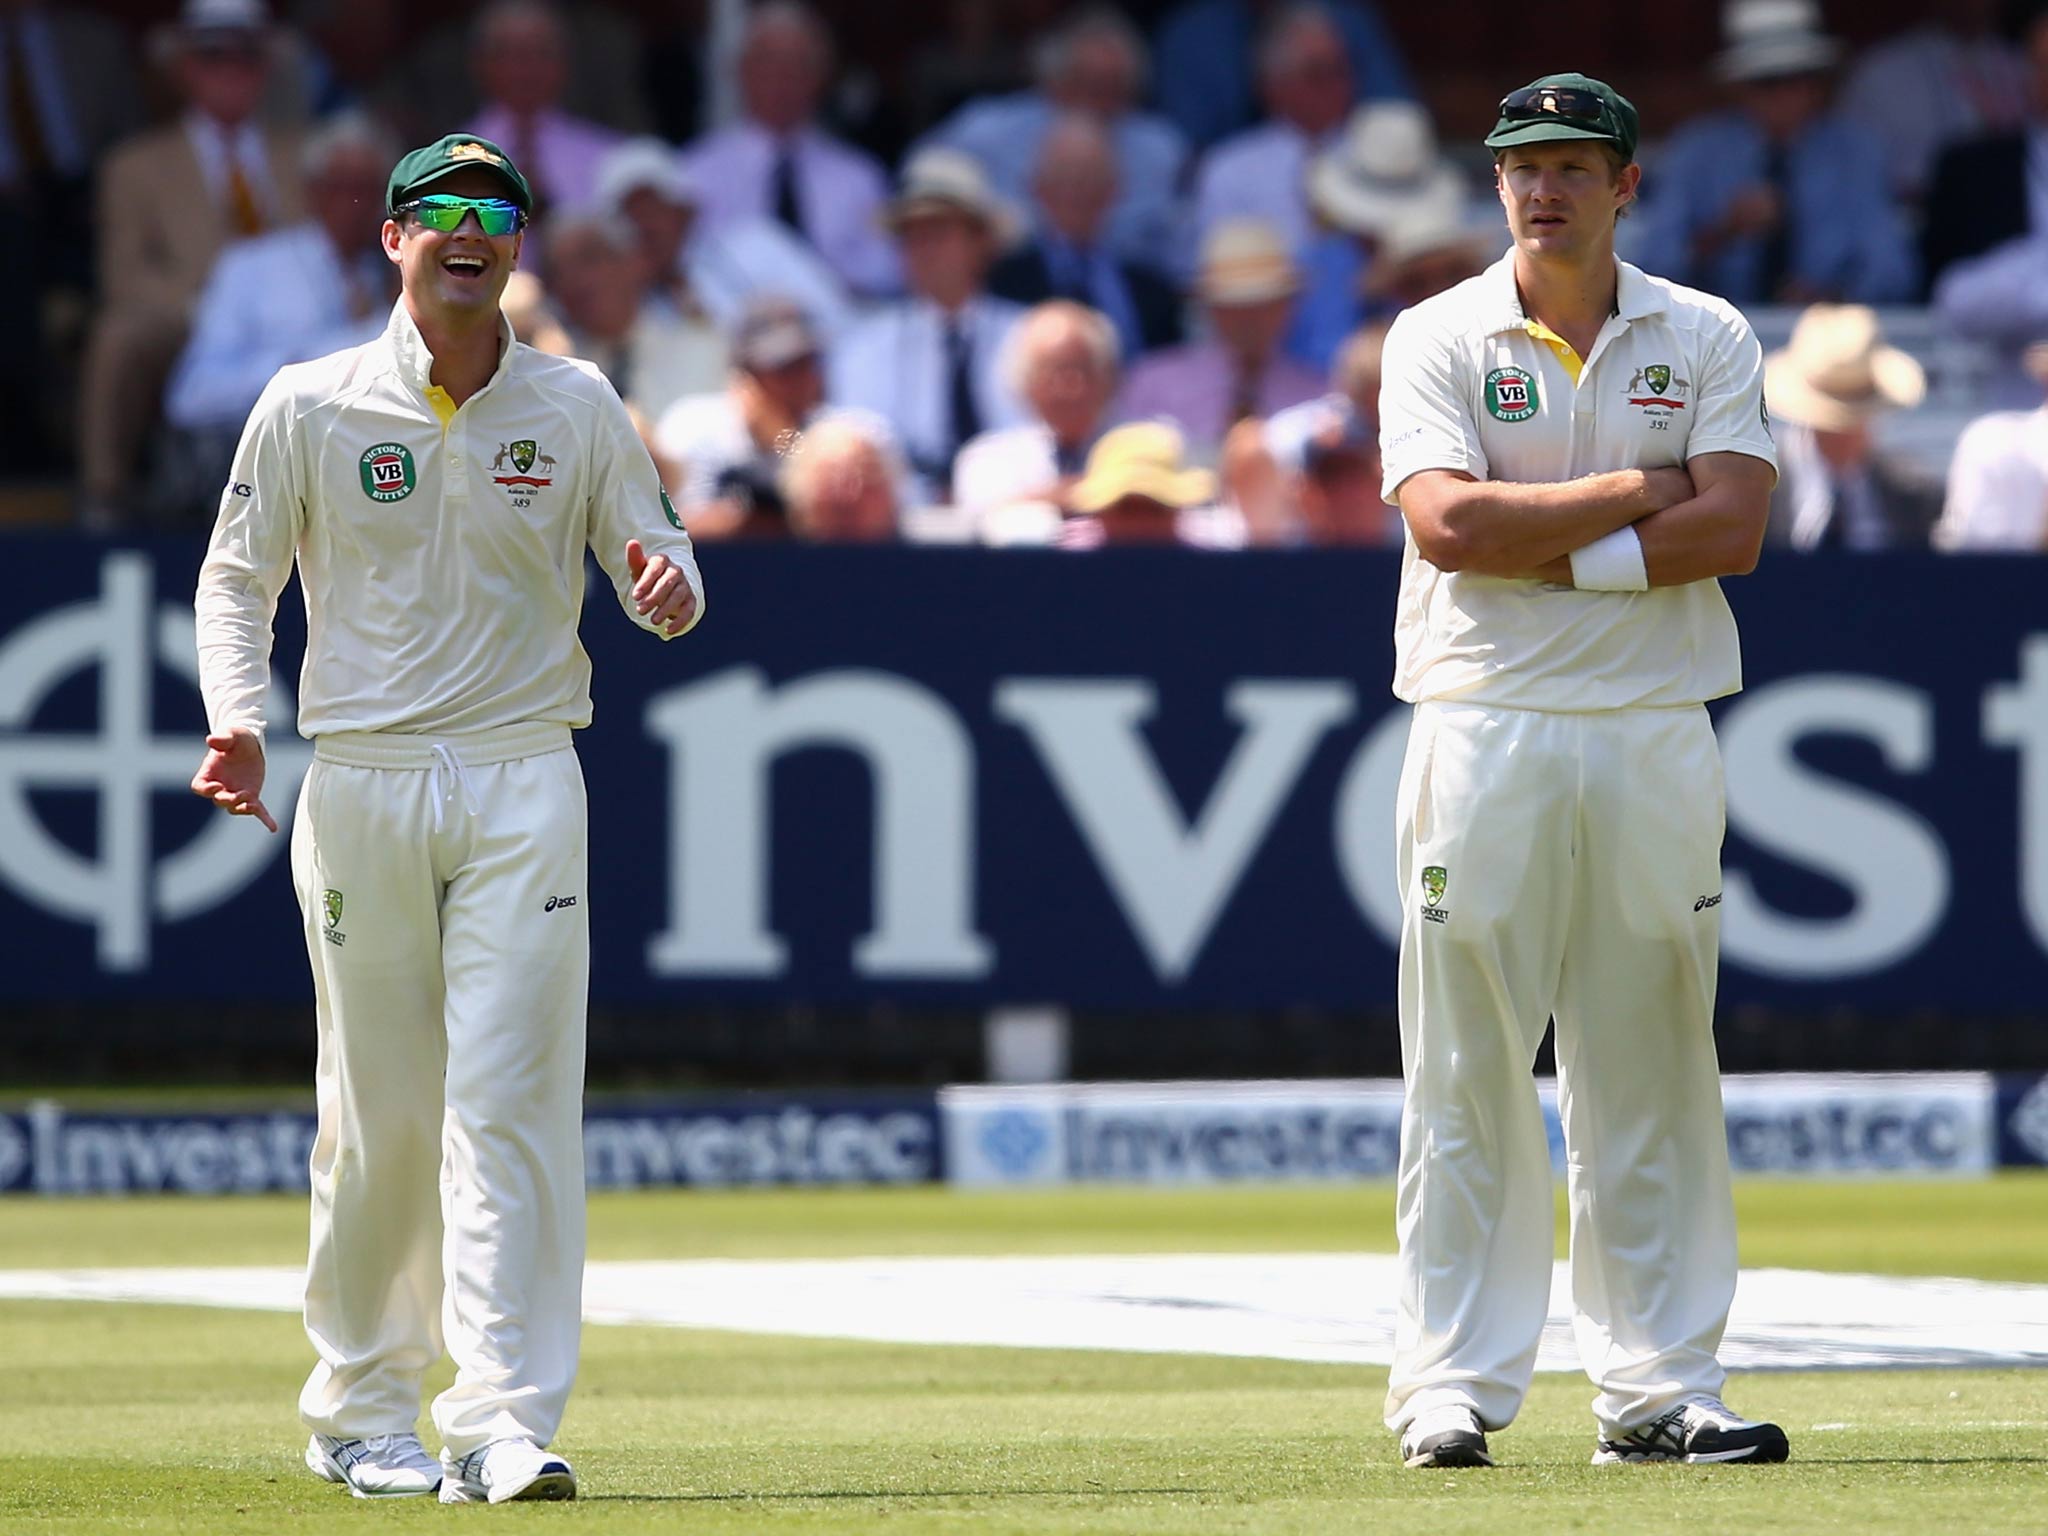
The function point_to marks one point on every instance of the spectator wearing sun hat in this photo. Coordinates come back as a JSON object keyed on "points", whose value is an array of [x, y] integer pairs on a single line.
{"points": [[1247, 286], [1139, 489], [930, 363], [1778, 199], [1385, 176], [1825, 389]]}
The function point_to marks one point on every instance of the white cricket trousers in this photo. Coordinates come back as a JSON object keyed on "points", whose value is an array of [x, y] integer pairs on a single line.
{"points": [[1579, 857], [442, 881]]}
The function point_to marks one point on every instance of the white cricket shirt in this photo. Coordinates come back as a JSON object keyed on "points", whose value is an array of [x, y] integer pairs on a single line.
{"points": [[1471, 383], [440, 549]]}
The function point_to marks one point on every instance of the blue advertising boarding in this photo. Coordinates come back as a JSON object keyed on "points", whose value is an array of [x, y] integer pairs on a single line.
{"points": [[1129, 779]]}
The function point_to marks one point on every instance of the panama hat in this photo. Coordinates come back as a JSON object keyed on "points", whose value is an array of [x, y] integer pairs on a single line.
{"points": [[1837, 372], [1143, 459], [949, 181], [1769, 39], [1386, 161], [1245, 261], [643, 164]]}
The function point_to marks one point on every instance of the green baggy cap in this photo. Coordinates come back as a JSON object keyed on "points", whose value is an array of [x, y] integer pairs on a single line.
{"points": [[459, 151], [1566, 107]]}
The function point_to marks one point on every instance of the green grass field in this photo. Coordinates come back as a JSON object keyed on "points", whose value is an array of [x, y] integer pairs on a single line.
{"points": [[171, 1419]]}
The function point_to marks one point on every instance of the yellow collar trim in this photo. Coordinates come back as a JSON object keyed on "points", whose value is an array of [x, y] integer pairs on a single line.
{"points": [[1566, 353]]}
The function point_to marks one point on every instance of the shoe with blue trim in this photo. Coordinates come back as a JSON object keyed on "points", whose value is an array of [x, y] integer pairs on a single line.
{"points": [[1702, 1430], [378, 1467], [503, 1471]]}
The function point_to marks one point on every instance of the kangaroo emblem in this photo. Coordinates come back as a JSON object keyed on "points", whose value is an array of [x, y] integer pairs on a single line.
{"points": [[499, 461]]}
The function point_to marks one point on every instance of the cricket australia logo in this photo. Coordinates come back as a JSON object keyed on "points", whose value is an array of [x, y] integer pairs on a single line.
{"points": [[526, 457], [388, 472], [1511, 394], [330, 904], [1434, 883], [1657, 391]]}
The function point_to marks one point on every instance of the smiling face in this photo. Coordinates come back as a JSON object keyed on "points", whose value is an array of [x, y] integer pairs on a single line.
{"points": [[454, 278], [1562, 197]]}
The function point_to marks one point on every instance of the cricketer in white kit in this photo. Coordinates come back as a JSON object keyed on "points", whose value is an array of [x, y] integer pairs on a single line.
{"points": [[437, 488], [1579, 451]]}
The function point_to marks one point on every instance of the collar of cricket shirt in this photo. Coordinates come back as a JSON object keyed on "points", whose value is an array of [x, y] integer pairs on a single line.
{"points": [[416, 364], [1635, 296]]}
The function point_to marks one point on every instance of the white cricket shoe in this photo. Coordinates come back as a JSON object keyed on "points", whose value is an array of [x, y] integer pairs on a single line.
{"points": [[1702, 1430], [380, 1467], [505, 1470]]}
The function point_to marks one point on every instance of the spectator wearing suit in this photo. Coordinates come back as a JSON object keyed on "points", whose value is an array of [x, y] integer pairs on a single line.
{"points": [[597, 285], [1247, 285], [1825, 389], [697, 269], [777, 163], [521, 62], [1777, 200], [168, 200], [1139, 489], [67, 92], [931, 364], [1094, 65], [843, 483], [296, 293], [721, 454], [1068, 256], [1205, 54], [1994, 190], [1998, 478], [1011, 483], [1307, 84], [1953, 79]]}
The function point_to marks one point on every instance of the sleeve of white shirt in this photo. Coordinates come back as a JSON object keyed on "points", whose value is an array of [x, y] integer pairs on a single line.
{"points": [[1426, 419], [248, 561], [1729, 395], [627, 502]]}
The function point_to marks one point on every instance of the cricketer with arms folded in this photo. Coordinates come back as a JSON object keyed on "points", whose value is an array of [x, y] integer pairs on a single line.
{"points": [[1579, 451], [437, 488]]}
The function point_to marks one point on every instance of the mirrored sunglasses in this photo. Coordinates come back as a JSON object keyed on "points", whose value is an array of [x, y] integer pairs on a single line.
{"points": [[1535, 103], [445, 213]]}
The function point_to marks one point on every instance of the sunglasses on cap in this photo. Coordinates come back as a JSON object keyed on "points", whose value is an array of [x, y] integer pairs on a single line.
{"points": [[1539, 103], [444, 212]]}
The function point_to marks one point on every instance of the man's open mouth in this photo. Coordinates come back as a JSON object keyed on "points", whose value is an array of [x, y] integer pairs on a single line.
{"points": [[463, 266]]}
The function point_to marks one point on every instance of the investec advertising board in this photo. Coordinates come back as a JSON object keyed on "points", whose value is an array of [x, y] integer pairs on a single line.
{"points": [[1131, 779], [1226, 1133]]}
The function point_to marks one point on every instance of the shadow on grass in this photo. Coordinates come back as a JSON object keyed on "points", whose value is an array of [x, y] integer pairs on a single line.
{"points": [[887, 1493]]}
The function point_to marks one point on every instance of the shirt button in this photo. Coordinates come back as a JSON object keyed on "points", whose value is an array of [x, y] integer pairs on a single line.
{"points": [[455, 462]]}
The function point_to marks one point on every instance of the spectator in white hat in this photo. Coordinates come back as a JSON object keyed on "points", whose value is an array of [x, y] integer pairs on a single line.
{"points": [[716, 269], [721, 454], [1777, 199], [1092, 65], [1385, 175], [930, 364], [777, 163], [1998, 479], [1825, 389], [1247, 285]]}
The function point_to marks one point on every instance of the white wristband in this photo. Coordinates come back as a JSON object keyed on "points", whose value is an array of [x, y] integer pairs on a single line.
{"points": [[1612, 564]]}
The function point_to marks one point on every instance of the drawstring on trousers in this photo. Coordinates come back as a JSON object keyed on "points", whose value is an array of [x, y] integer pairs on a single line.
{"points": [[448, 776]]}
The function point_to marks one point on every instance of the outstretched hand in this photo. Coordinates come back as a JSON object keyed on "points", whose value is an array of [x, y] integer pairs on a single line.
{"points": [[231, 775], [660, 591]]}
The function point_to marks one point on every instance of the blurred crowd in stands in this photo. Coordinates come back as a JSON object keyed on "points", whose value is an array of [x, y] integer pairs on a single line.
{"points": [[1113, 287]]}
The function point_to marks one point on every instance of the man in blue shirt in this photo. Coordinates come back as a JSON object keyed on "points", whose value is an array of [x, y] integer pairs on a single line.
{"points": [[1777, 200]]}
